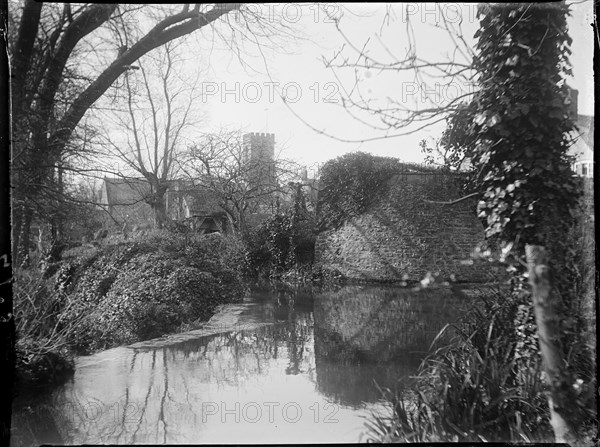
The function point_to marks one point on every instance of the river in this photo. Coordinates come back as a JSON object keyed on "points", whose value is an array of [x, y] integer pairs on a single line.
{"points": [[283, 366]]}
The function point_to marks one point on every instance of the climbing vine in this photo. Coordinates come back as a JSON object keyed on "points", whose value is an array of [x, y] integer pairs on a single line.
{"points": [[283, 242], [517, 136], [352, 182], [521, 125]]}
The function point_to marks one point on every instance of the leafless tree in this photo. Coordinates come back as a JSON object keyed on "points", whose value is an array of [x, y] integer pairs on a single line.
{"points": [[220, 163], [159, 107], [97, 43], [426, 92]]}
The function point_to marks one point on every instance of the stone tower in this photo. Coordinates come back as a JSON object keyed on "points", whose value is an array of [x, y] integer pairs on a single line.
{"points": [[259, 154], [259, 146]]}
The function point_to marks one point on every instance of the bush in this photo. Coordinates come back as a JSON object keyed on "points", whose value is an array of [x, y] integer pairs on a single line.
{"points": [[283, 243], [125, 292], [43, 333], [156, 287], [484, 386]]}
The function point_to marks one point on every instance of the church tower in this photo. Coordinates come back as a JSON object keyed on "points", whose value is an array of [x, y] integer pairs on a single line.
{"points": [[259, 155]]}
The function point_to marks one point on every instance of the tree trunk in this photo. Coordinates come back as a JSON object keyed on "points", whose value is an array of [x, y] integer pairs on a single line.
{"points": [[242, 223], [56, 221], [230, 219], [160, 211], [547, 316]]}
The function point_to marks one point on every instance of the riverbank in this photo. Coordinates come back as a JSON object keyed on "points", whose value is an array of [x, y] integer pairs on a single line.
{"points": [[311, 362], [96, 298]]}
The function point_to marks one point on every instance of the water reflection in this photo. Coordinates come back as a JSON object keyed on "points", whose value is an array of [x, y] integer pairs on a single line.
{"points": [[308, 376], [371, 337]]}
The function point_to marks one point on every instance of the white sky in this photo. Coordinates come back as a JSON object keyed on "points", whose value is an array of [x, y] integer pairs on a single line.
{"points": [[250, 104], [303, 72]]}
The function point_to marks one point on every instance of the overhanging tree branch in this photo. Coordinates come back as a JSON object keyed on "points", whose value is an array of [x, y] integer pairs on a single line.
{"points": [[162, 33], [454, 202]]}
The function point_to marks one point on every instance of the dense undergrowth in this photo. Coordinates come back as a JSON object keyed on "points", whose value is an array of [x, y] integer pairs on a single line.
{"points": [[101, 297], [486, 384], [283, 246]]}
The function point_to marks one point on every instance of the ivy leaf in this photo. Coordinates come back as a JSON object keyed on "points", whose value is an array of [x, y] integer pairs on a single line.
{"points": [[479, 119]]}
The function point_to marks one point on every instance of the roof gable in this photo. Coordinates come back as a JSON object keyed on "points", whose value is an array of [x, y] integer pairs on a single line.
{"points": [[125, 191], [585, 123]]}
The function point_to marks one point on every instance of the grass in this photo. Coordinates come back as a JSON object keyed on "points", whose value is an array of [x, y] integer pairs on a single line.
{"points": [[485, 385]]}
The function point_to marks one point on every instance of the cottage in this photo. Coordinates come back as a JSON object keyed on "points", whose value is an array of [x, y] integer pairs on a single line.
{"points": [[125, 200], [583, 147]]}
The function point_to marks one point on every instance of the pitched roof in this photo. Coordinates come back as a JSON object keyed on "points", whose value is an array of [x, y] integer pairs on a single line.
{"points": [[201, 201], [125, 191], [583, 147], [586, 128]]}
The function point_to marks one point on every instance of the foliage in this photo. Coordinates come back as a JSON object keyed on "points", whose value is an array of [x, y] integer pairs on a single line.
{"points": [[352, 182], [521, 126], [42, 337], [123, 293], [484, 385], [141, 290], [284, 242], [456, 143]]}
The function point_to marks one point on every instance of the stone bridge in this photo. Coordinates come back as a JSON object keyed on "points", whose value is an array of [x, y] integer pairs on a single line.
{"points": [[401, 237]]}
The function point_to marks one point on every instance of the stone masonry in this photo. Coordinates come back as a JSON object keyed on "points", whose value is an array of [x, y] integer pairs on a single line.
{"points": [[402, 238]]}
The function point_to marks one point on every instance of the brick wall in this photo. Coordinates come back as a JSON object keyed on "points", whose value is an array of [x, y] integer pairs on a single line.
{"points": [[401, 237]]}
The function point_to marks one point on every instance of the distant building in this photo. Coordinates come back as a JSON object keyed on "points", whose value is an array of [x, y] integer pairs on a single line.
{"points": [[583, 147], [259, 155], [200, 207], [125, 200], [197, 205], [259, 146]]}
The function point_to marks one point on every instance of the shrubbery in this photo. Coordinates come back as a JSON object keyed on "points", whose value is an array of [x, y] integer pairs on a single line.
{"points": [[42, 338], [485, 385], [284, 243], [123, 293]]}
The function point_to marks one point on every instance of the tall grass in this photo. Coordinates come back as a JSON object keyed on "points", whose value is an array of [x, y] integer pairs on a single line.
{"points": [[46, 322], [485, 385]]}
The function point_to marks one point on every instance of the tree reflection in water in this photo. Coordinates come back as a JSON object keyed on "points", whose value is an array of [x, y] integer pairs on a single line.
{"points": [[370, 337], [318, 348]]}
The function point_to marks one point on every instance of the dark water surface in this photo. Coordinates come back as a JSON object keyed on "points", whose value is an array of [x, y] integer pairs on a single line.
{"points": [[284, 366]]}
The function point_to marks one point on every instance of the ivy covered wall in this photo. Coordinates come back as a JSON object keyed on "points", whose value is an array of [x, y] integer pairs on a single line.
{"points": [[400, 237]]}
